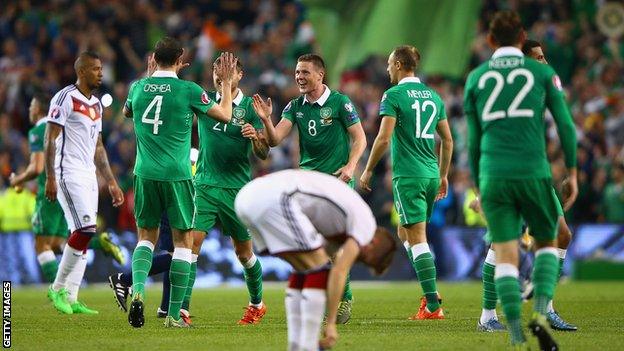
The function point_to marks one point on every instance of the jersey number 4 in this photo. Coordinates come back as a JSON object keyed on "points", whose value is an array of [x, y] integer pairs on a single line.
{"points": [[156, 101], [499, 83]]}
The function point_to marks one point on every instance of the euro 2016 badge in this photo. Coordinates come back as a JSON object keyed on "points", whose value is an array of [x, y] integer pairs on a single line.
{"points": [[326, 116], [238, 116]]}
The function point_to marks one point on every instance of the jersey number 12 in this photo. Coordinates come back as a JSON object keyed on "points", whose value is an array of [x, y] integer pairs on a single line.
{"points": [[156, 101], [422, 132]]}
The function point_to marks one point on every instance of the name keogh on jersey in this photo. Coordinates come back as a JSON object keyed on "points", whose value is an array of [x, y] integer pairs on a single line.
{"points": [[506, 62], [157, 88], [419, 94]]}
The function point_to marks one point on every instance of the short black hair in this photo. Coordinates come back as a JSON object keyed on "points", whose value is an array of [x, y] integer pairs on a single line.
{"points": [[506, 28], [43, 99], [408, 55], [316, 60], [167, 51], [528, 46], [239, 64], [80, 60]]}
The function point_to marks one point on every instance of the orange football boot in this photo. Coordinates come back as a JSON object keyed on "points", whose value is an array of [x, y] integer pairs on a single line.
{"points": [[253, 315]]}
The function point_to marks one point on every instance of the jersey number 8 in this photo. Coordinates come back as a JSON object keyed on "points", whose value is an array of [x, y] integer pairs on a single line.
{"points": [[156, 101]]}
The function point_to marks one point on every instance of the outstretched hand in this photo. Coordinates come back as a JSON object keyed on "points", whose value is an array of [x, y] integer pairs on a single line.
{"points": [[263, 108]]}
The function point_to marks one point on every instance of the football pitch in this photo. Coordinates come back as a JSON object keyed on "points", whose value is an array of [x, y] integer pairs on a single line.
{"points": [[379, 320]]}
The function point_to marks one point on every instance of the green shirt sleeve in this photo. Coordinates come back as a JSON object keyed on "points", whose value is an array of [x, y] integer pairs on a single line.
{"points": [[288, 111], [35, 139], [474, 132], [128, 103], [348, 113], [388, 106], [555, 101], [200, 101]]}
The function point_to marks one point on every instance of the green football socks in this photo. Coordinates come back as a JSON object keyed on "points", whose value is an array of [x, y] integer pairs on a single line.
{"points": [[186, 304], [141, 264], [49, 265], [348, 294], [253, 279], [545, 274], [489, 287], [425, 269], [508, 290], [179, 276]]}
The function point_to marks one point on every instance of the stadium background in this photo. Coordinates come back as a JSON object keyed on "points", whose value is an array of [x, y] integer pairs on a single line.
{"points": [[40, 40]]}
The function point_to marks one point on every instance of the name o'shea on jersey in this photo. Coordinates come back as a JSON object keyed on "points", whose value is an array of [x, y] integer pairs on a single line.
{"points": [[157, 88]]}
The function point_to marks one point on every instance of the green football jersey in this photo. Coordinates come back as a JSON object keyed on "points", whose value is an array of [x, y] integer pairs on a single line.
{"points": [[417, 109], [223, 151], [162, 108], [324, 142], [504, 101], [36, 136]]}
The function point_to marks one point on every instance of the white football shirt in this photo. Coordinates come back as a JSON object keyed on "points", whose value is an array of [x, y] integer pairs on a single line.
{"points": [[81, 120]]}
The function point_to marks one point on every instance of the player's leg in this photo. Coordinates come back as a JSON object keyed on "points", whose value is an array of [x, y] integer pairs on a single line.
{"points": [[292, 303], [43, 243], [504, 224], [180, 211], [104, 243], [78, 198], [538, 205], [488, 322], [414, 200]]}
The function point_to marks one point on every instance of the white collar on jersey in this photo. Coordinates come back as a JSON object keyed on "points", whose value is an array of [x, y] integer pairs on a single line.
{"points": [[321, 101], [409, 80], [42, 121], [164, 74], [507, 51], [237, 100]]}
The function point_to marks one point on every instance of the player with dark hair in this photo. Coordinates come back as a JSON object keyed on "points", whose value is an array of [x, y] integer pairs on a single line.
{"points": [[73, 151], [505, 100], [223, 168], [411, 112], [162, 108], [304, 217], [331, 137]]}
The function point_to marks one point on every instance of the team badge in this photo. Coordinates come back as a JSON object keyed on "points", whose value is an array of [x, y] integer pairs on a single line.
{"points": [[349, 107], [86, 218], [326, 112], [204, 98], [238, 116], [55, 112]]}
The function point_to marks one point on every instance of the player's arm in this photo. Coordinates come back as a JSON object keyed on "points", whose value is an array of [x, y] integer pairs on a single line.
{"points": [[259, 143], [274, 134], [335, 287], [102, 165], [223, 111], [358, 145], [446, 152], [555, 101], [34, 168], [380, 146], [52, 132], [474, 132]]}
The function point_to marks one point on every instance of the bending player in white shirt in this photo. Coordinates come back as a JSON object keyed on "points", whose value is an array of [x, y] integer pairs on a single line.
{"points": [[304, 217], [73, 152]]}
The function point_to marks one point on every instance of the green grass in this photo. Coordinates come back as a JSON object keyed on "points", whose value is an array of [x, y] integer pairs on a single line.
{"points": [[379, 321]]}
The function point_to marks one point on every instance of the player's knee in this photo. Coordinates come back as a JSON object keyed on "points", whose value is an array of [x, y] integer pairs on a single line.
{"points": [[41, 244], [243, 255], [80, 238], [564, 237]]}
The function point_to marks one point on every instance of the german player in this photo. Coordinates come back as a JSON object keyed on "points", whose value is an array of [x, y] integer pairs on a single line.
{"points": [[49, 225], [223, 168], [293, 214], [411, 113], [505, 100], [331, 137], [162, 107], [73, 152]]}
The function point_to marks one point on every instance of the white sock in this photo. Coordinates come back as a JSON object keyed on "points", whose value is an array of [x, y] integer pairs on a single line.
{"points": [[182, 254], [250, 262], [312, 310], [550, 306], [75, 278], [293, 317], [486, 315], [45, 257], [70, 258]]}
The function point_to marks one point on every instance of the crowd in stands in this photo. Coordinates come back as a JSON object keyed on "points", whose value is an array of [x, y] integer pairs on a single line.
{"points": [[40, 42]]}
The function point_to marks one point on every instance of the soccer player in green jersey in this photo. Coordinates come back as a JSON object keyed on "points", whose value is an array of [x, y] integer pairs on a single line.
{"points": [[411, 112], [49, 225], [505, 100], [162, 108], [223, 168], [331, 137]]}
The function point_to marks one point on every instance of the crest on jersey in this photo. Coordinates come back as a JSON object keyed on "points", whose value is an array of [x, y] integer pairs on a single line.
{"points": [[238, 116], [326, 112], [204, 98], [299, 115], [55, 113], [349, 107], [92, 112], [557, 82]]}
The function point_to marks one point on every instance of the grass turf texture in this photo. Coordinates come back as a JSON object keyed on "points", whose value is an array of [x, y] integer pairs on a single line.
{"points": [[379, 320]]}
